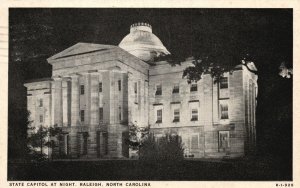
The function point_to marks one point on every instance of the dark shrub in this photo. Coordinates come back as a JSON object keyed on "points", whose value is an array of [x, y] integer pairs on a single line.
{"points": [[165, 148]]}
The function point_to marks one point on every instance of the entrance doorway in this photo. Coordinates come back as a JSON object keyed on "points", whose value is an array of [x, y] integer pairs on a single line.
{"points": [[102, 140], [224, 141]]}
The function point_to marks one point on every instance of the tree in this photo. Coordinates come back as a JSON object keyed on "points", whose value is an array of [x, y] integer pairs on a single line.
{"points": [[137, 136], [171, 148], [149, 150], [37, 143], [167, 148], [44, 138], [55, 135], [284, 71], [17, 132]]}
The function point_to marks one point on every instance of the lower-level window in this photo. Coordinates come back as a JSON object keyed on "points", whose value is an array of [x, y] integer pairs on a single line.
{"points": [[82, 115], [120, 113], [159, 116], [41, 103], [102, 146], [136, 92], [194, 142], [67, 138], [105, 137], [119, 85], [64, 144], [223, 141], [81, 89], [84, 143], [101, 114], [158, 138], [191, 144]]}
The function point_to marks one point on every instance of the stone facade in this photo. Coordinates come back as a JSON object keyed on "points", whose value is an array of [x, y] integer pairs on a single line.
{"points": [[96, 91], [225, 111]]}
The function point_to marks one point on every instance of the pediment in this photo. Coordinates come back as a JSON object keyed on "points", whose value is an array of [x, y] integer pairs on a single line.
{"points": [[79, 49]]}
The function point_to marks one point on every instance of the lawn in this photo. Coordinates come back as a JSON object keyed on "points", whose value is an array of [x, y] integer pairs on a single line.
{"points": [[241, 169]]}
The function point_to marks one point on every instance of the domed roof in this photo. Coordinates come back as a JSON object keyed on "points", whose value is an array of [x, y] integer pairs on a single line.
{"points": [[142, 43]]}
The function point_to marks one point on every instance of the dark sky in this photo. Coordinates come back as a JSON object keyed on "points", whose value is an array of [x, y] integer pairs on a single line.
{"points": [[184, 32], [266, 34]]}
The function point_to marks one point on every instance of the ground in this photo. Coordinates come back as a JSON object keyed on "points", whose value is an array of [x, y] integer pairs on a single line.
{"points": [[240, 169]]}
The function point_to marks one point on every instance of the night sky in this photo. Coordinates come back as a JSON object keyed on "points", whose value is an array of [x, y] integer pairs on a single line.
{"points": [[266, 34]]}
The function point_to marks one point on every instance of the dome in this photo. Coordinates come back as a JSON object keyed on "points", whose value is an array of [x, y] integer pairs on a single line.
{"points": [[142, 43]]}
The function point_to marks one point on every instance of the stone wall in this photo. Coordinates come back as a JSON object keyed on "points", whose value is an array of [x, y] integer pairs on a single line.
{"points": [[39, 92], [208, 98]]}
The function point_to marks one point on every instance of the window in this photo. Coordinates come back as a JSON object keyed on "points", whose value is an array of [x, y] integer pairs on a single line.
{"points": [[119, 85], [82, 89], [158, 90], [194, 142], [194, 87], [191, 143], [159, 116], [84, 143], [41, 103], [41, 119], [224, 141], [63, 145], [158, 138], [120, 113], [135, 92], [224, 110], [176, 115], [135, 87], [66, 144], [100, 87], [176, 89], [224, 83], [194, 115], [101, 115], [105, 140], [82, 115]]}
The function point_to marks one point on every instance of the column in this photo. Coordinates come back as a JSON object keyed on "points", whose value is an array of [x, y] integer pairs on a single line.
{"points": [[52, 103], [94, 114], [75, 100], [57, 101], [31, 107], [47, 101], [143, 103], [146, 103], [94, 98], [139, 118], [126, 97], [87, 95], [131, 97], [65, 101], [106, 95]]}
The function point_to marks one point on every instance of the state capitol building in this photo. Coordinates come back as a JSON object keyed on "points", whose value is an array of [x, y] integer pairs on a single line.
{"points": [[97, 90]]}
